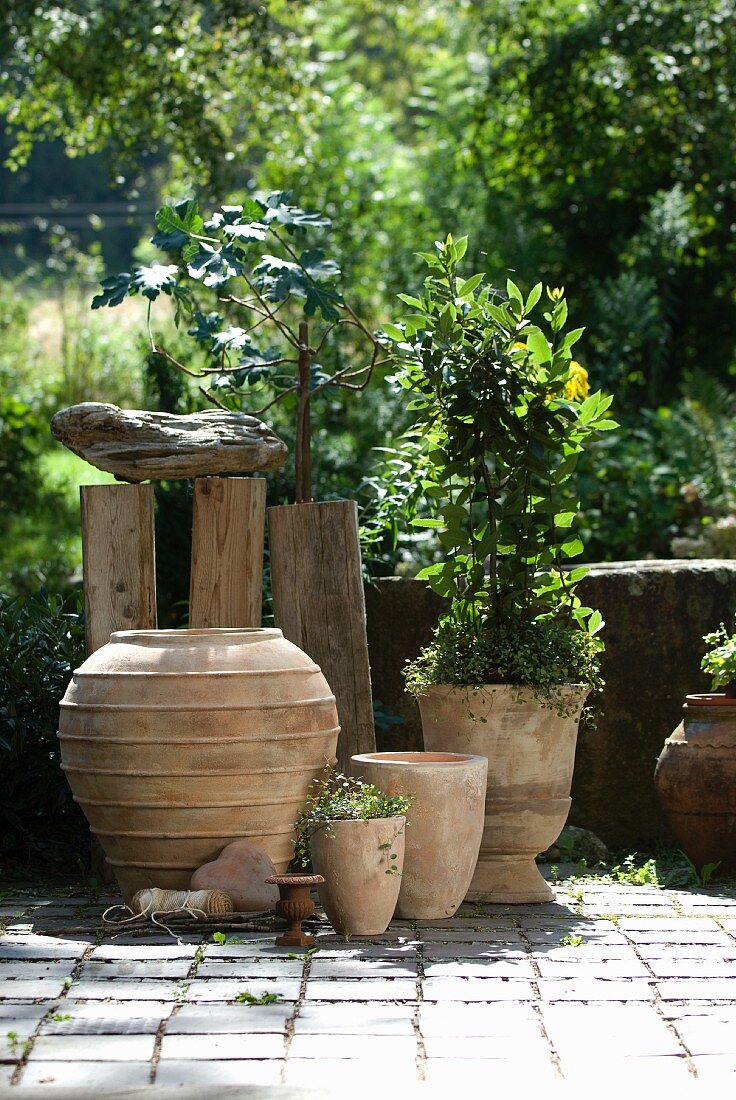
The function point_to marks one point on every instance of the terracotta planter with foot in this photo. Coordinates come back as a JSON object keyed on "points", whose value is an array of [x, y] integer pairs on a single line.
{"points": [[531, 753]]}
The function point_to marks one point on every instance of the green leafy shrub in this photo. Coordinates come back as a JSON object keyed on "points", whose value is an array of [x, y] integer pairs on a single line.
{"points": [[41, 642], [504, 414], [341, 798], [546, 654]]}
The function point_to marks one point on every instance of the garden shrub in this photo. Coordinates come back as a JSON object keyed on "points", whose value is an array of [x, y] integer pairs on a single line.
{"points": [[41, 642]]}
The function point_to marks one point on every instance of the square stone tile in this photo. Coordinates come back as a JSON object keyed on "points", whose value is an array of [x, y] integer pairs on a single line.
{"points": [[222, 1047], [367, 1048], [233, 1019], [718, 1069], [92, 1048], [693, 968], [502, 1019], [149, 969], [92, 1075], [606, 970], [103, 1018], [344, 1073], [595, 989], [710, 989], [35, 950], [214, 989], [362, 968], [233, 1072], [369, 989], [711, 1033], [518, 967], [635, 1073], [529, 1043], [117, 989], [58, 969], [608, 1032], [346, 1018], [139, 952], [478, 989], [32, 989], [261, 969], [510, 1074]]}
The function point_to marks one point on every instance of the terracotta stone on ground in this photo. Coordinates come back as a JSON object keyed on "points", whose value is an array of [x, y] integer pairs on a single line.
{"points": [[241, 870]]}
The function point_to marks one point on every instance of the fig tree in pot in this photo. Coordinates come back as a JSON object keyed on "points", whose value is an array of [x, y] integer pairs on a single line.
{"points": [[696, 771], [504, 412], [353, 834]]}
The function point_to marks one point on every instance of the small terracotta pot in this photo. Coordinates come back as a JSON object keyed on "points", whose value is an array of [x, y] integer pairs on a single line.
{"points": [[531, 753], [361, 863], [695, 779], [444, 823]]}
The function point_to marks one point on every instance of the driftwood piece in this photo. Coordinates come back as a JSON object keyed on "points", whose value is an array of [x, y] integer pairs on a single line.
{"points": [[226, 586], [137, 446], [317, 585]]}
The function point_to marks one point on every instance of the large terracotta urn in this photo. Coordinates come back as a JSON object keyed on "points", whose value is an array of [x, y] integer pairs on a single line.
{"points": [[695, 780], [178, 742], [444, 824], [531, 753]]}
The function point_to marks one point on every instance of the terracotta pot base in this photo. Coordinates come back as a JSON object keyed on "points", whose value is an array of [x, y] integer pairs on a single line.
{"points": [[512, 880]]}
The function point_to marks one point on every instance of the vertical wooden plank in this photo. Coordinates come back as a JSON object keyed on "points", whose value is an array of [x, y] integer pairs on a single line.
{"points": [[226, 587], [317, 585], [118, 554]]}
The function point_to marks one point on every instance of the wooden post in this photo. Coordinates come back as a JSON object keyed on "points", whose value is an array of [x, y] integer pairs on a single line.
{"points": [[118, 553], [119, 571], [319, 604], [226, 587]]}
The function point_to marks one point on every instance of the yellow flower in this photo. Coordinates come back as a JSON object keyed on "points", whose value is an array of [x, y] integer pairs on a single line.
{"points": [[577, 386]]}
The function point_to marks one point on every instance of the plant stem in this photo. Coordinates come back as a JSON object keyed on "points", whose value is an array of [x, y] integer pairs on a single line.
{"points": [[302, 452]]}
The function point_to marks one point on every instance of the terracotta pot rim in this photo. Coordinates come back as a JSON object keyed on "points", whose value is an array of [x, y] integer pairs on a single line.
{"points": [[710, 699], [359, 820], [295, 879], [495, 686], [422, 759], [214, 634]]}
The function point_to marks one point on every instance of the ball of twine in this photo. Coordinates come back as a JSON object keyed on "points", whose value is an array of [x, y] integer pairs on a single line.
{"points": [[159, 902]]}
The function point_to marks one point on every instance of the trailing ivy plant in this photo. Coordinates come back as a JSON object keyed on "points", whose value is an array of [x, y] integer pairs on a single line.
{"points": [[337, 797], [504, 412], [268, 286]]}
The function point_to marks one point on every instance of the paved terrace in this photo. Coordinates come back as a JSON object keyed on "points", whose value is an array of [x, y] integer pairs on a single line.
{"points": [[610, 979]]}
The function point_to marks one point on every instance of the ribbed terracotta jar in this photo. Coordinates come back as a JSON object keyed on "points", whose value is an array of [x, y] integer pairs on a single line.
{"points": [[178, 742], [695, 780], [361, 863], [444, 824], [531, 753]]}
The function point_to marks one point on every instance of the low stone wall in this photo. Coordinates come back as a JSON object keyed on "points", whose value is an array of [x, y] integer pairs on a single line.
{"points": [[656, 613]]}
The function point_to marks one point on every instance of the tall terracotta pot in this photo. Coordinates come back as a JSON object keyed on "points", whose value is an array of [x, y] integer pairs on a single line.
{"points": [[177, 742], [695, 780], [361, 863], [531, 753], [444, 824]]}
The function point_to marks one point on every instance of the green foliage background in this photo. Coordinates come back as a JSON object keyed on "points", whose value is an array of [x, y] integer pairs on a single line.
{"points": [[586, 145]]}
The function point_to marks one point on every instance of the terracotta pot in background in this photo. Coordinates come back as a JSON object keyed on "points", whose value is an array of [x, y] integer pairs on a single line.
{"points": [[178, 742], [444, 823], [695, 780], [358, 896], [531, 753]]}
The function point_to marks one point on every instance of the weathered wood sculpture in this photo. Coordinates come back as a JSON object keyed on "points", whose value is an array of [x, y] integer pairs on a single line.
{"points": [[138, 446]]}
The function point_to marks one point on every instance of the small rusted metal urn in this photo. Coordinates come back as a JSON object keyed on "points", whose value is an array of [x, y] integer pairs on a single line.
{"points": [[295, 905]]}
